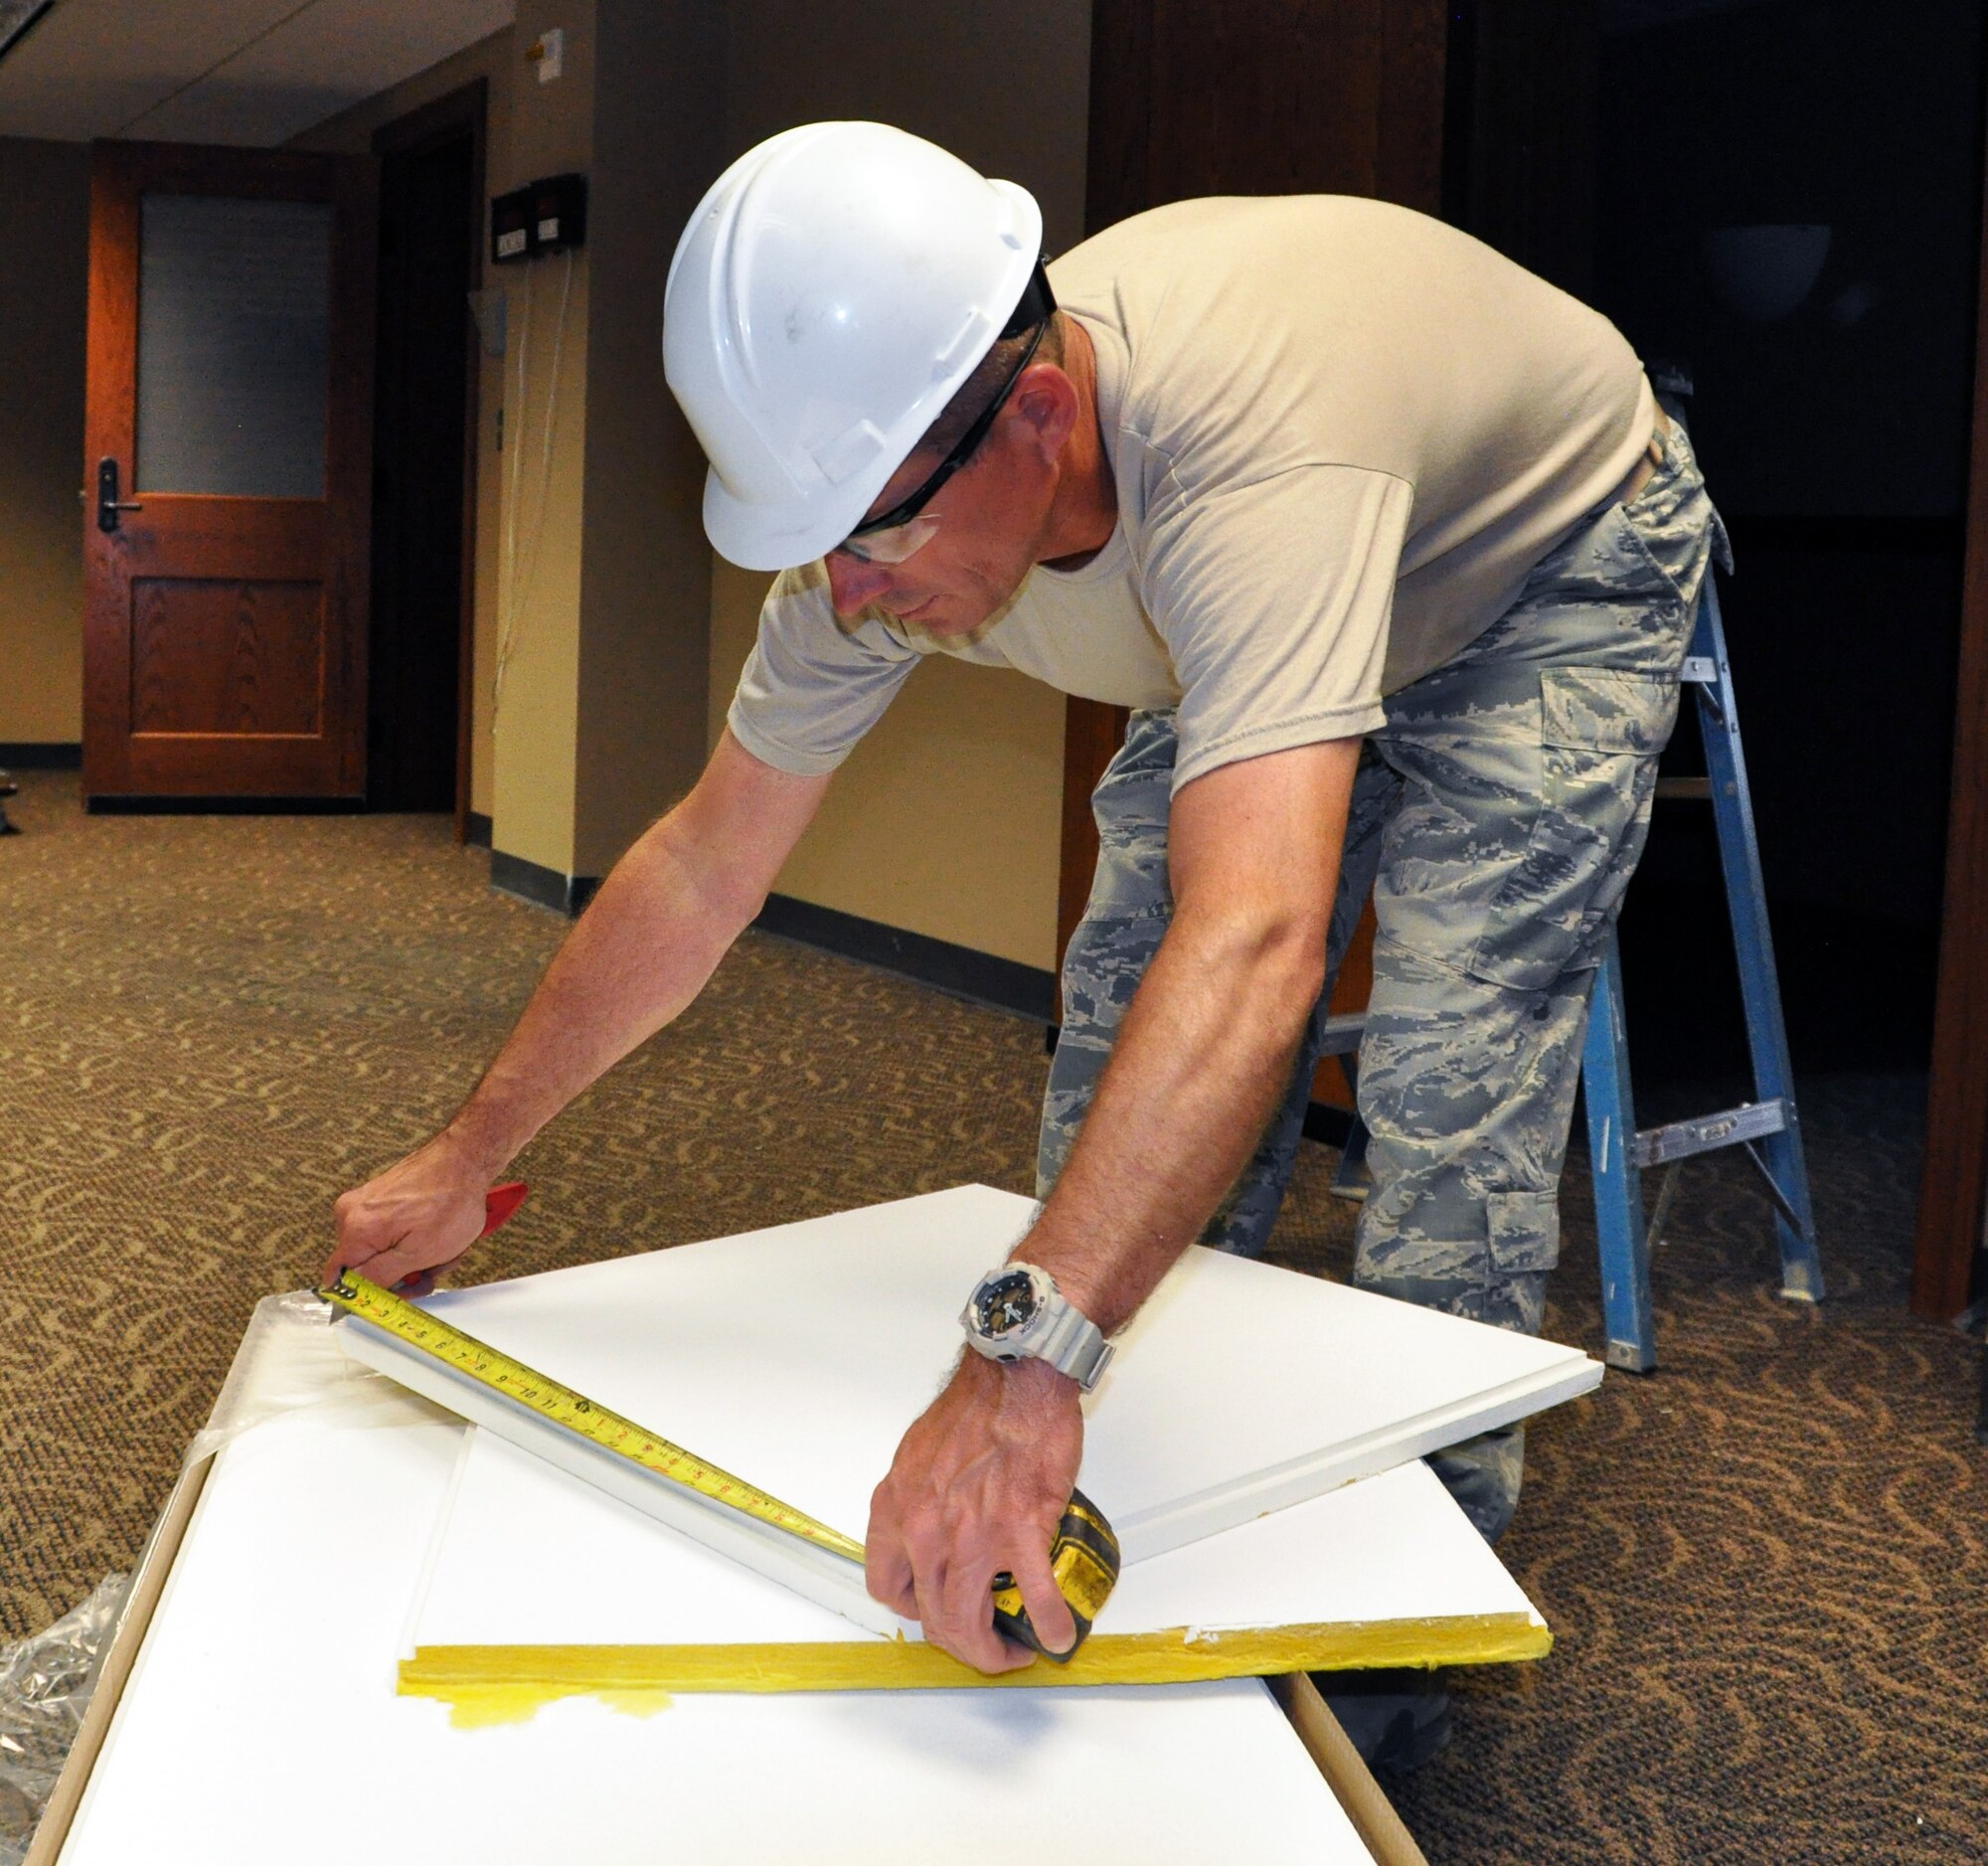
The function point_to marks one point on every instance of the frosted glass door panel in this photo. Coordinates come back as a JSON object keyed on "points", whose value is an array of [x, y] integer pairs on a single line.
{"points": [[234, 340]]}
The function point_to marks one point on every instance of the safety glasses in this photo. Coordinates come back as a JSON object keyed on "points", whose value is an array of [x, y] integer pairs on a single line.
{"points": [[894, 543], [891, 537]]}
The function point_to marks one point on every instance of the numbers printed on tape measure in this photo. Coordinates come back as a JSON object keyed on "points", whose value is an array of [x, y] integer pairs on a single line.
{"points": [[399, 1317]]}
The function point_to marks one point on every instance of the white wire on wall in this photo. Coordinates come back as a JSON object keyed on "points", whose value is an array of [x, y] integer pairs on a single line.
{"points": [[517, 583]]}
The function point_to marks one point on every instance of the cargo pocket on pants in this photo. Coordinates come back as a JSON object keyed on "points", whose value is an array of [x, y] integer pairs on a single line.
{"points": [[1525, 1247], [1524, 1231], [1600, 730]]}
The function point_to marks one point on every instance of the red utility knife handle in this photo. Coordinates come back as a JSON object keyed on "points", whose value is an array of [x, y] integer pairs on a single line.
{"points": [[499, 1203]]}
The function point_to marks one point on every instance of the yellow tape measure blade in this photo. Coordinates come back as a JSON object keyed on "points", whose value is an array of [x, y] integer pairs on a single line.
{"points": [[551, 1399]]}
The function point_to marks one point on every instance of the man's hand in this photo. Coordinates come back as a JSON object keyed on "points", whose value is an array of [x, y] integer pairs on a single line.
{"points": [[420, 1216], [980, 1484]]}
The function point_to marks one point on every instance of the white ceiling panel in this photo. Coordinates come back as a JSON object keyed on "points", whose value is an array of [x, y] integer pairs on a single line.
{"points": [[91, 65], [246, 71], [325, 57]]}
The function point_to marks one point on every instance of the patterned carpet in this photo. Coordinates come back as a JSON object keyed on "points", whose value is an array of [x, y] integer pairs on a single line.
{"points": [[1767, 1566]]}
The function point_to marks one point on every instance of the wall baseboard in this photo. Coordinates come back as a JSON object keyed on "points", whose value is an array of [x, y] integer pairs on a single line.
{"points": [[543, 887], [476, 829], [224, 807], [35, 757], [1004, 983]]}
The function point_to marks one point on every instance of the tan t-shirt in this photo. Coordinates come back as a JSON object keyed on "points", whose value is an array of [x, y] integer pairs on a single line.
{"points": [[1341, 433]]}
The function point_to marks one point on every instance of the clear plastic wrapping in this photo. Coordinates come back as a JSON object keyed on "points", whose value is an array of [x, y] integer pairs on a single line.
{"points": [[289, 1359], [45, 1684]]}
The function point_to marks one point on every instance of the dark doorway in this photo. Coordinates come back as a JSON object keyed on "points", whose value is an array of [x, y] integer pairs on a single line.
{"points": [[1783, 197], [424, 456]]}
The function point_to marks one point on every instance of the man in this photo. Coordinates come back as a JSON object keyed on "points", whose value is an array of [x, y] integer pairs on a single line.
{"points": [[1288, 477]]}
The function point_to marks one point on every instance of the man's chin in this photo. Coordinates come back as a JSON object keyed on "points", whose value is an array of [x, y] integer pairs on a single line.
{"points": [[936, 616]]}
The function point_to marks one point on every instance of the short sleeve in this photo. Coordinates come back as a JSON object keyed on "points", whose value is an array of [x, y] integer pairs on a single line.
{"points": [[812, 687], [1274, 598]]}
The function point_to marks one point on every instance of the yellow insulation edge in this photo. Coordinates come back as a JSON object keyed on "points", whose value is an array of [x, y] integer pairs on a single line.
{"points": [[513, 1680]]}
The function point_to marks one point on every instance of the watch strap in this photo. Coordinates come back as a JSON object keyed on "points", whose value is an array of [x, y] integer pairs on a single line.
{"points": [[1074, 1345]]}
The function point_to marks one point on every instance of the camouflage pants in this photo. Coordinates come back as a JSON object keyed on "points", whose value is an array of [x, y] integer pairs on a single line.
{"points": [[1495, 818]]}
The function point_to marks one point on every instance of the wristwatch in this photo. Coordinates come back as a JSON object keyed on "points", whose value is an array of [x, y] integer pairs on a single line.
{"points": [[1017, 1313]]}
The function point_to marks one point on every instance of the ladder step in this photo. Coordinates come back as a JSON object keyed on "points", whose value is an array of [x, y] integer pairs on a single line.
{"points": [[1751, 1121], [1702, 668], [1343, 1031], [1698, 787]]}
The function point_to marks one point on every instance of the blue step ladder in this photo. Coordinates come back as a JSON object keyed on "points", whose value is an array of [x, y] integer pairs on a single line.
{"points": [[1766, 1129]]}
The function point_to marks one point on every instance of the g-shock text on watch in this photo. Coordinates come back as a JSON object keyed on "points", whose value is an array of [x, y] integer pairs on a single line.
{"points": [[1017, 1313]]}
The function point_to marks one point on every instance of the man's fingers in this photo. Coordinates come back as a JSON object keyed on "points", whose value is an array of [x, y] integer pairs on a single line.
{"points": [[887, 1564], [928, 1591], [425, 1282], [416, 1218], [891, 1583], [402, 1259], [350, 1254], [1048, 1612], [966, 1619]]}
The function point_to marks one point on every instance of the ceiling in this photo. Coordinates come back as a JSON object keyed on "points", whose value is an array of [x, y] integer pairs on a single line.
{"points": [[253, 73]]}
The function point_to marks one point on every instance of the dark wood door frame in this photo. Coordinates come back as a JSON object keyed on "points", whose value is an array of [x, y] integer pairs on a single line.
{"points": [[1247, 96], [1954, 1183], [448, 116]]}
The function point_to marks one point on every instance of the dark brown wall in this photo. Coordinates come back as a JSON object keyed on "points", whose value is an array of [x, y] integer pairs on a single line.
{"points": [[1263, 97], [1196, 98]]}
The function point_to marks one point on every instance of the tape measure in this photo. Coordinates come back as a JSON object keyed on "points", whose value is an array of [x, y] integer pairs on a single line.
{"points": [[1084, 1558]]}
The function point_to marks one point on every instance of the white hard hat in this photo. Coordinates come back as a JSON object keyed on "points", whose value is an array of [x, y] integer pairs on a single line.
{"points": [[831, 291]]}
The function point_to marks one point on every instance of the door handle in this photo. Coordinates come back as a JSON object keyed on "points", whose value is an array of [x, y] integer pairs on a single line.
{"points": [[107, 503]]}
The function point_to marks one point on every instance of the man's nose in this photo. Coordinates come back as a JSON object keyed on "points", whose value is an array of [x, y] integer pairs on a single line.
{"points": [[853, 584]]}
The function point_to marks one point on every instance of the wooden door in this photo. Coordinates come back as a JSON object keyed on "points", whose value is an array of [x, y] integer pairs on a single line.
{"points": [[1248, 97], [1953, 1178], [226, 465]]}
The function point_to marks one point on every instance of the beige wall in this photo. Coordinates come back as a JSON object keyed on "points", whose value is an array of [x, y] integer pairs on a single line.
{"points": [[945, 818], [535, 674], [43, 299], [624, 635], [1004, 84], [945, 822], [645, 594]]}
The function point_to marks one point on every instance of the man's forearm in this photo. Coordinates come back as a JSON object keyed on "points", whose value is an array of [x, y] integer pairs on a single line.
{"points": [[1204, 1054], [642, 950], [1201, 1060], [654, 934]]}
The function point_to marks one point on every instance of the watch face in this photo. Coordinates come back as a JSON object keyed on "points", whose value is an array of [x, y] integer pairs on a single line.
{"points": [[1005, 1302]]}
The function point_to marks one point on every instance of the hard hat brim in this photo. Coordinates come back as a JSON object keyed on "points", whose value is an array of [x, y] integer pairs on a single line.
{"points": [[779, 537]]}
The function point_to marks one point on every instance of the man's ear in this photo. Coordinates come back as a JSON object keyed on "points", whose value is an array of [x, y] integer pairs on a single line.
{"points": [[1045, 402]]}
